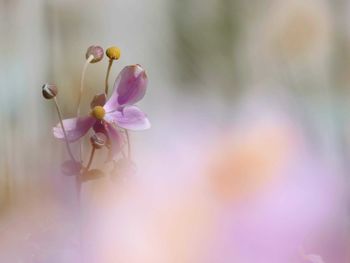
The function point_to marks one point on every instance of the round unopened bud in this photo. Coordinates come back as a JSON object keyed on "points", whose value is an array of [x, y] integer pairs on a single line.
{"points": [[96, 52], [49, 91], [113, 53], [98, 140]]}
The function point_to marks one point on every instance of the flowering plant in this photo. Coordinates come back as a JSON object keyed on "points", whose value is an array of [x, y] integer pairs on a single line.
{"points": [[108, 121]]}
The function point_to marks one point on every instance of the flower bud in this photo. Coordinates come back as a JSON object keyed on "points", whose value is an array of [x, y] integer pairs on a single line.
{"points": [[98, 140], [113, 53], [49, 91], [96, 52]]}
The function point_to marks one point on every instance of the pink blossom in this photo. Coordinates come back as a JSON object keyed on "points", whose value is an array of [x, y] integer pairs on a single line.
{"points": [[119, 110]]}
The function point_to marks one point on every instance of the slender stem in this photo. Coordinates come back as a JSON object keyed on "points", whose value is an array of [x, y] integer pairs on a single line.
{"points": [[123, 153], [91, 158], [87, 62], [64, 130], [129, 146], [78, 178], [107, 75], [78, 186]]}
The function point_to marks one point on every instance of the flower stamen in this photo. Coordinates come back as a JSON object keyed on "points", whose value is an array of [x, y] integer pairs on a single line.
{"points": [[98, 112]]}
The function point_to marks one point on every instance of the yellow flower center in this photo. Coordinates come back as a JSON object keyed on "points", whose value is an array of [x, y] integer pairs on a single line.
{"points": [[98, 112], [113, 53]]}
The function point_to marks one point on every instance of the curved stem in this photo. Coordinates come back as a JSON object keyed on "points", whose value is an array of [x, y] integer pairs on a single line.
{"points": [[129, 145], [107, 75], [91, 158], [78, 188], [87, 62], [64, 130]]}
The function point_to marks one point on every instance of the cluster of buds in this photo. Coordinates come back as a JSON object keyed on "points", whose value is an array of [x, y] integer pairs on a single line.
{"points": [[108, 122]]}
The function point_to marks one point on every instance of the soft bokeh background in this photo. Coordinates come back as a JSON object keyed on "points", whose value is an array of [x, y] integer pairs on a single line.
{"points": [[248, 101]]}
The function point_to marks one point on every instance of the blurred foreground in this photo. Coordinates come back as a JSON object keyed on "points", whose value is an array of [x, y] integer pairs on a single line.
{"points": [[248, 157]]}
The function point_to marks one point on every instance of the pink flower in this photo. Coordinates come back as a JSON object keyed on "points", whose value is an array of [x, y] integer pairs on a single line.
{"points": [[129, 88]]}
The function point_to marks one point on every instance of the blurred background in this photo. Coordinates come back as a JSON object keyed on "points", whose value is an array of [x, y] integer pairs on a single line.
{"points": [[243, 96]]}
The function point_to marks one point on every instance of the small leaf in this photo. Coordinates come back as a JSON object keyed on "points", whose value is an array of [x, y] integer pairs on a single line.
{"points": [[92, 174], [71, 167]]}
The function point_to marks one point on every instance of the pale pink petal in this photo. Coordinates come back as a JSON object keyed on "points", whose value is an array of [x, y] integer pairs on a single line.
{"points": [[314, 258], [75, 128], [115, 140], [130, 117], [129, 88]]}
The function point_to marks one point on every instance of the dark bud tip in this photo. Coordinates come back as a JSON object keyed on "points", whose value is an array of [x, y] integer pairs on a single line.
{"points": [[97, 53], [49, 91]]}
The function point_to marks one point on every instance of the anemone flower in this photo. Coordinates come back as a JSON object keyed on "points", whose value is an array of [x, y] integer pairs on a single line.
{"points": [[129, 88]]}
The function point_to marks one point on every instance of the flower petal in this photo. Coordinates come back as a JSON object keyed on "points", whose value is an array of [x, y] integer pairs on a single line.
{"points": [[114, 140], [129, 88], [98, 100], [75, 128], [100, 126], [314, 258], [130, 117]]}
